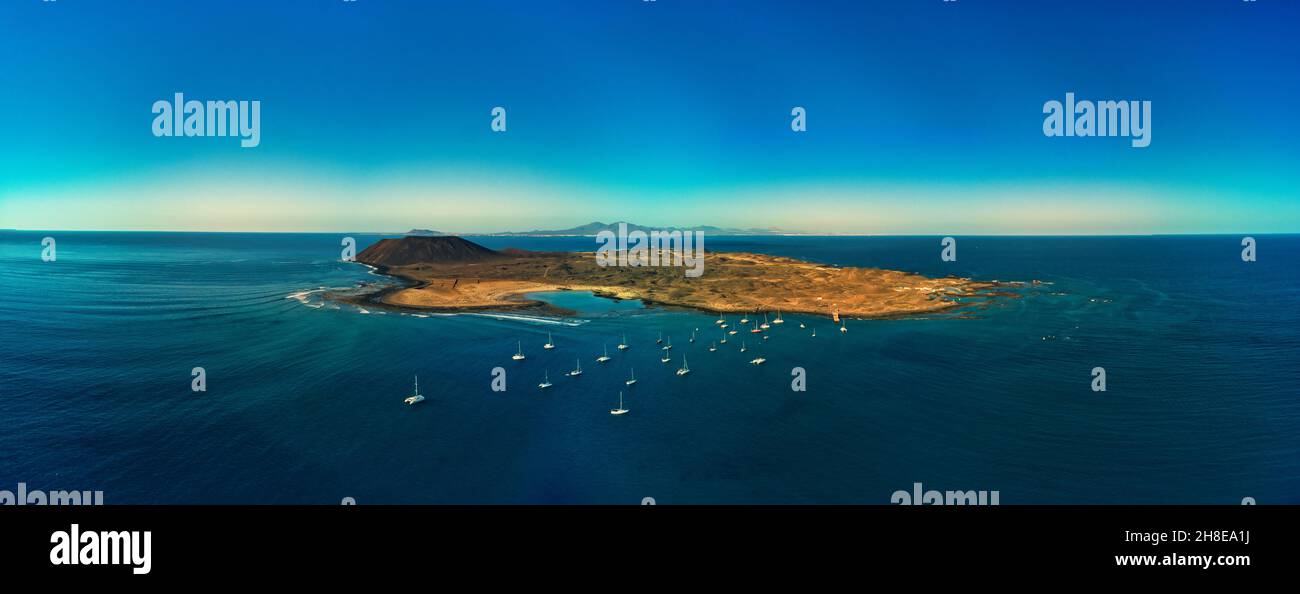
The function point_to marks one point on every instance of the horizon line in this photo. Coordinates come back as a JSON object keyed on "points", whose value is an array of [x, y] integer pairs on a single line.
{"points": [[526, 234]]}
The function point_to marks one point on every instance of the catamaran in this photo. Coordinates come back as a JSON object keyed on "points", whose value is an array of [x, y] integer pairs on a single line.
{"points": [[622, 346], [546, 381], [416, 397], [720, 320], [778, 319], [757, 361], [801, 325], [724, 324], [666, 358], [577, 372], [605, 357], [755, 330], [744, 319], [669, 346], [550, 342], [633, 380], [519, 356], [685, 369], [620, 410]]}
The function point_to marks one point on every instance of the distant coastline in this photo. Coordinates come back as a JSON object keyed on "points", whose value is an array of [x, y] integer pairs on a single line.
{"points": [[595, 227]]}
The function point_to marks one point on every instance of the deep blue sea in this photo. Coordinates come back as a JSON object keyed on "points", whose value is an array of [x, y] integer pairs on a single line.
{"points": [[304, 396]]}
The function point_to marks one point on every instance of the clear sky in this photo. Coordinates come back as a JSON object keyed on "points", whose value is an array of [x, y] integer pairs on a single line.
{"points": [[923, 116]]}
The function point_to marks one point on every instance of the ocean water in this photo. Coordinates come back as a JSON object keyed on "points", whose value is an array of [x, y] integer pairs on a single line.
{"points": [[304, 396]]}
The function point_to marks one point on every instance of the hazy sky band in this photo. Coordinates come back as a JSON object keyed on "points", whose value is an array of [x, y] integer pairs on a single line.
{"points": [[923, 116]]}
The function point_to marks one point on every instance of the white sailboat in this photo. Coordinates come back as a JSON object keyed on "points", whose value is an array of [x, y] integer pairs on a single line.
{"points": [[742, 346], [814, 333], [801, 325], [724, 339], [578, 371], [622, 346], [685, 368], [765, 325], [669, 346], [720, 320], [605, 357], [519, 356], [633, 380], [620, 410], [415, 397], [665, 359], [724, 323], [778, 319], [842, 328], [550, 342], [546, 381], [744, 319], [713, 347], [692, 337], [757, 361], [660, 340]]}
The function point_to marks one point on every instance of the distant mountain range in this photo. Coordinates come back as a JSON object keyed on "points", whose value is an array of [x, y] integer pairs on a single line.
{"points": [[592, 228]]}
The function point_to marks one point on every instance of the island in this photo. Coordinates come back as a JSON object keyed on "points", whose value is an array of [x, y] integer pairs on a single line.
{"points": [[455, 274]]}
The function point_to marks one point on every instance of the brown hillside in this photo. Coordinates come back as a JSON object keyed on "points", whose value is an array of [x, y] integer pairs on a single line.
{"points": [[410, 250]]}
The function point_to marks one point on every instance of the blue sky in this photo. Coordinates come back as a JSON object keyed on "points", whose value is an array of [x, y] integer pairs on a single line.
{"points": [[923, 116]]}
